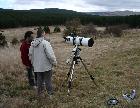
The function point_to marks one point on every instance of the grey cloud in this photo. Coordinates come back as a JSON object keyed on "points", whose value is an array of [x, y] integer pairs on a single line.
{"points": [[115, 4], [33, 1], [108, 5]]}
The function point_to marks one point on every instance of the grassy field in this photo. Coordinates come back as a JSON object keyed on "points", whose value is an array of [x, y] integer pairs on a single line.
{"points": [[114, 62]]}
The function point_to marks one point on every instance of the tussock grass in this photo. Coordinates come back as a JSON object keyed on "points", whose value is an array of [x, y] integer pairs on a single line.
{"points": [[115, 63]]}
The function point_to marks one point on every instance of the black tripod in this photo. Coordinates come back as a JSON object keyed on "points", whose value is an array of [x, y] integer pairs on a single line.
{"points": [[76, 58]]}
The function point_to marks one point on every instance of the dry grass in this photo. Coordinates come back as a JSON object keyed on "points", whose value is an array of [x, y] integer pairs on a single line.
{"points": [[115, 63]]}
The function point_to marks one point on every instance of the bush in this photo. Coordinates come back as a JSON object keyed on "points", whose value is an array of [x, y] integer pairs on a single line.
{"points": [[3, 41], [57, 29], [116, 31], [72, 26], [89, 30], [46, 29], [124, 26], [15, 41], [66, 32]]}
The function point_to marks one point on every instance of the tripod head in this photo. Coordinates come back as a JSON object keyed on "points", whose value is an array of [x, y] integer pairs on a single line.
{"points": [[76, 50], [75, 54]]}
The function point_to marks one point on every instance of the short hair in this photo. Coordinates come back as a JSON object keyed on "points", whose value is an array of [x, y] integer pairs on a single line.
{"points": [[28, 34], [39, 32]]}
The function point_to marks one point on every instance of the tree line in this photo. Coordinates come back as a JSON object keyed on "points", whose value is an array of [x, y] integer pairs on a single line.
{"points": [[24, 18]]}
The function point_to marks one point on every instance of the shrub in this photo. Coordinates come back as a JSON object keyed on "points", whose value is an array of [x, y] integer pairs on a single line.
{"points": [[3, 41], [57, 29], [124, 26], [14, 41], [46, 29], [116, 31], [66, 32], [72, 26], [89, 30]]}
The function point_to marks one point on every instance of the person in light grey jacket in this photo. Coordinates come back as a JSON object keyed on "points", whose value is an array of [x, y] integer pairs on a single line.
{"points": [[43, 59]]}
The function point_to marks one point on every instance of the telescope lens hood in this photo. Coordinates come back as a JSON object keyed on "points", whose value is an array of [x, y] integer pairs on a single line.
{"points": [[90, 42]]}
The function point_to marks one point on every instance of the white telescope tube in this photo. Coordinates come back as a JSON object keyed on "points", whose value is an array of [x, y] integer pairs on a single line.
{"points": [[79, 41]]}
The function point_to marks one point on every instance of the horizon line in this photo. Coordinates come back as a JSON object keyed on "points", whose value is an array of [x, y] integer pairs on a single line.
{"points": [[69, 10]]}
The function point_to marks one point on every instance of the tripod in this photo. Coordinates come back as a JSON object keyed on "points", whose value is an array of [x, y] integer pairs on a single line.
{"points": [[76, 58]]}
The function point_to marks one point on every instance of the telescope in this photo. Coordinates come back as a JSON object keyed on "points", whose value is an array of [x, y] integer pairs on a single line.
{"points": [[81, 41], [75, 56]]}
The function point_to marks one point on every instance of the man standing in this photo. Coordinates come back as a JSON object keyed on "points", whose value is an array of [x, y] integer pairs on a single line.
{"points": [[24, 49], [43, 59]]}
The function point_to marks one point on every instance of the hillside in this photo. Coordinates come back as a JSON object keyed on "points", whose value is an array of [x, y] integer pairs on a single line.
{"points": [[41, 17], [47, 10], [64, 11], [115, 13]]}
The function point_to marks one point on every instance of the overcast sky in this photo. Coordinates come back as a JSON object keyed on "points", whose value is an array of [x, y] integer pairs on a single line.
{"points": [[76, 5]]}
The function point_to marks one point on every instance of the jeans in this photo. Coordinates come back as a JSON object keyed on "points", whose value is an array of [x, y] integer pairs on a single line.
{"points": [[44, 77], [32, 77]]}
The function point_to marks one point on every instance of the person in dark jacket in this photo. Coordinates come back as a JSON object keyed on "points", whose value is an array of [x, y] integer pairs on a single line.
{"points": [[24, 49]]}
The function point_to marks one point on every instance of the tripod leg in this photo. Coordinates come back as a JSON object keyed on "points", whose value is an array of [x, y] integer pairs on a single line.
{"points": [[91, 77], [71, 72], [68, 74]]}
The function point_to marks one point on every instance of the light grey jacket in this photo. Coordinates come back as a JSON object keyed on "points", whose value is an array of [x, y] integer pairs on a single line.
{"points": [[41, 55]]}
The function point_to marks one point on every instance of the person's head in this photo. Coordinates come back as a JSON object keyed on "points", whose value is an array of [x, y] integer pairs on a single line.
{"points": [[28, 36], [40, 32]]}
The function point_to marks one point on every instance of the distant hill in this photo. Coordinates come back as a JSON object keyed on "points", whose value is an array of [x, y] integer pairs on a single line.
{"points": [[53, 10], [64, 11], [115, 13], [10, 18], [47, 10]]}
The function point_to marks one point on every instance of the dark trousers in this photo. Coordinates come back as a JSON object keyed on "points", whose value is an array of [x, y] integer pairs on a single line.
{"points": [[32, 77], [44, 78]]}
